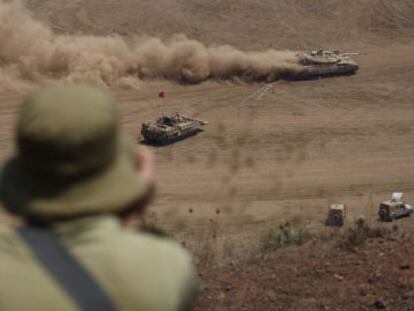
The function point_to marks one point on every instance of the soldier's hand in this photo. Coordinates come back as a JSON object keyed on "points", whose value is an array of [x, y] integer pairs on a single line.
{"points": [[145, 163]]}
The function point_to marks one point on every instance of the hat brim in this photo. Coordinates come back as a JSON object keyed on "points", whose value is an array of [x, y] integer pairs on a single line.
{"points": [[111, 190]]}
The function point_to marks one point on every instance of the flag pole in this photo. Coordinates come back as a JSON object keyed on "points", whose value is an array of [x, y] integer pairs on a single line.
{"points": [[161, 96]]}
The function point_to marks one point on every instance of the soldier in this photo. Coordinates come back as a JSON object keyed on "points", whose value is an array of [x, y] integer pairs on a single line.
{"points": [[79, 186]]}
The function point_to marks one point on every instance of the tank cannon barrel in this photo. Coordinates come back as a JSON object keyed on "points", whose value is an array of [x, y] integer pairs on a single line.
{"points": [[350, 53], [202, 122]]}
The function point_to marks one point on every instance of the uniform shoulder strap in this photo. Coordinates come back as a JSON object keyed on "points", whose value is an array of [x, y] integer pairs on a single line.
{"points": [[66, 270]]}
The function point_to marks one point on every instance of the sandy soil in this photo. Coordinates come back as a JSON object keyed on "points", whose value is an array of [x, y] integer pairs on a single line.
{"points": [[271, 152]]}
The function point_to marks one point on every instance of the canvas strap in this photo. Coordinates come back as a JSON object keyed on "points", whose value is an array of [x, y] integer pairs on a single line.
{"points": [[66, 270]]}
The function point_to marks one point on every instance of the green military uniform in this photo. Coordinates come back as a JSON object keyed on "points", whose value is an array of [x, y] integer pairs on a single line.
{"points": [[74, 170]]}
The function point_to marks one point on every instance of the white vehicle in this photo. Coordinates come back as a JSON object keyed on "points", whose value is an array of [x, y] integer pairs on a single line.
{"points": [[394, 208]]}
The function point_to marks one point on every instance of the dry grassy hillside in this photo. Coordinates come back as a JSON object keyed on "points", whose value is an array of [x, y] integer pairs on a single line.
{"points": [[246, 24]]}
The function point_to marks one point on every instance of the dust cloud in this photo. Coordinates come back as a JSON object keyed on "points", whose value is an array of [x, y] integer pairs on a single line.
{"points": [[31, 53]]}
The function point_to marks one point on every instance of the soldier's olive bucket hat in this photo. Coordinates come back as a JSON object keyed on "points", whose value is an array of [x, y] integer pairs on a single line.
{"points": [[71, 158]]}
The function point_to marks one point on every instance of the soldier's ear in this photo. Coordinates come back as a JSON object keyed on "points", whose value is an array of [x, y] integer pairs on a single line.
{"points": [[131, 216]]}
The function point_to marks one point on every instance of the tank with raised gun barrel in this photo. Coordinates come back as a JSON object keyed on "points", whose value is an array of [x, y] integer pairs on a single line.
{"points": [[323, 63], [170, 128]]}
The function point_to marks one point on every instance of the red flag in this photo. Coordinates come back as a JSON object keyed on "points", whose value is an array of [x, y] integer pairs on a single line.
{"points": [[161, 95]]}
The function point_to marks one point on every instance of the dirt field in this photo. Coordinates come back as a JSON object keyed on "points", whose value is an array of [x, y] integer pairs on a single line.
{"points": [[271, 152]]}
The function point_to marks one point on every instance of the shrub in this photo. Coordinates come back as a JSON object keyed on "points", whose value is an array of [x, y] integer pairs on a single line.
{"points": [[360, 232], [285, 235]]}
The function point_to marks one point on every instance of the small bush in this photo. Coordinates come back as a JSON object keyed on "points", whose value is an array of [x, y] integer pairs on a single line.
{"points": [[285, 235], [360, 232]]}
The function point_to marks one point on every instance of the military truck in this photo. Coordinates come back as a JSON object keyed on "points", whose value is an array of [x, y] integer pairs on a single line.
{"points": [[336, 215], [394, 208], [323, 63], [170, 128]]}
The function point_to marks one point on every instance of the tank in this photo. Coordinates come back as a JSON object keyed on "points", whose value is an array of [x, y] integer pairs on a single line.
{"points": [[394, 208], [322, 63], [170, 128], [336, 215]]}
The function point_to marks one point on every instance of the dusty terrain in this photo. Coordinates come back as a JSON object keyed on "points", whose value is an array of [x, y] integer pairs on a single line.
{"points": [[271, 152]]}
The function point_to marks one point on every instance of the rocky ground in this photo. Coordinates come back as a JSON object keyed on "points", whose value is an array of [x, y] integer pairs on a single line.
{"points": [[377, 274]]}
